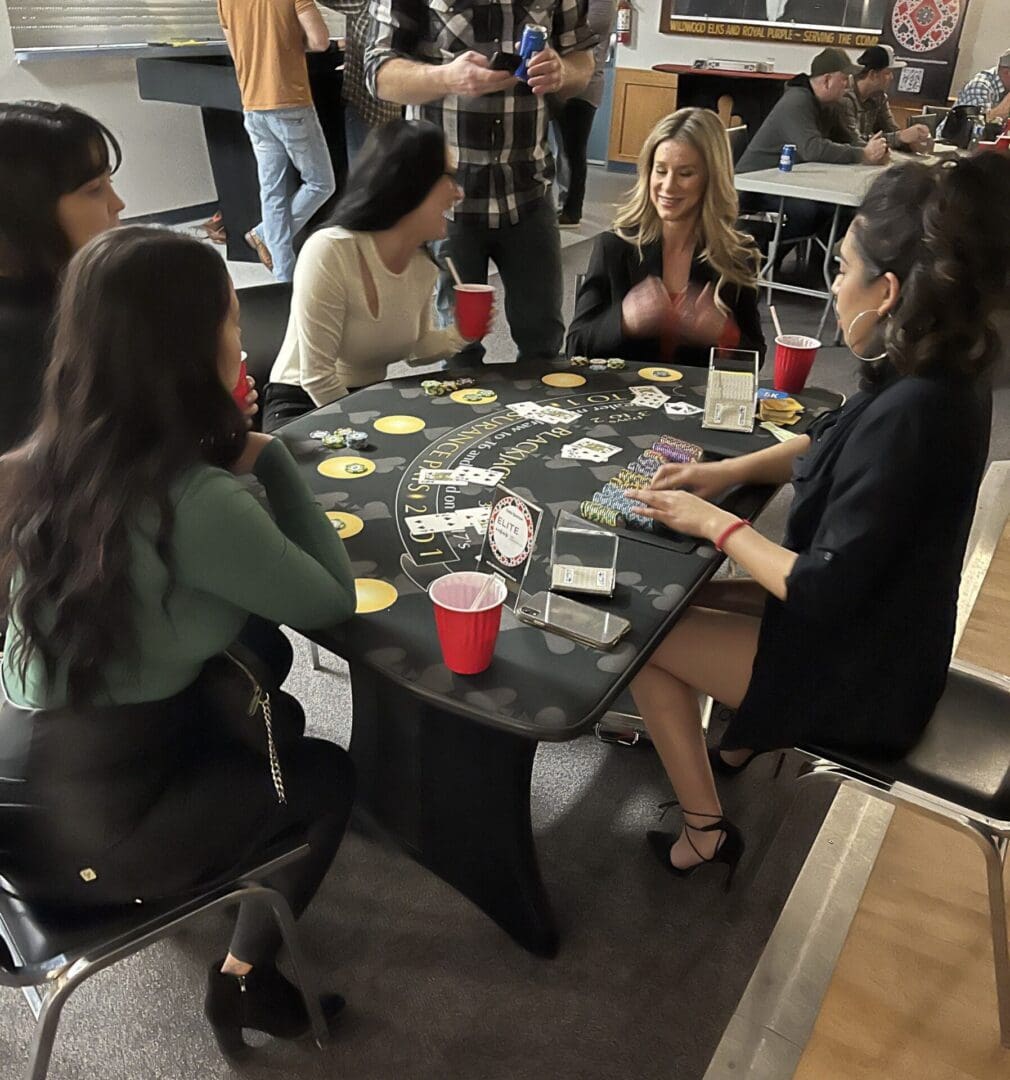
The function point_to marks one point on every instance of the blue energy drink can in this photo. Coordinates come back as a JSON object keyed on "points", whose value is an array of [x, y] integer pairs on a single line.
{"points": [[534, 40], [787, 158]]}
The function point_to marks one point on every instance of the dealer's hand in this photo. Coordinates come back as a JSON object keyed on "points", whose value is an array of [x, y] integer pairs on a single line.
{"points": [[696, 319], [545, 72], [646, 310], [470, 75], [682, 512], [709, 480]]}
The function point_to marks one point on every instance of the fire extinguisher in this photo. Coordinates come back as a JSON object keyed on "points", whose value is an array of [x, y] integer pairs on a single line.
{"points": [[624, 17]]}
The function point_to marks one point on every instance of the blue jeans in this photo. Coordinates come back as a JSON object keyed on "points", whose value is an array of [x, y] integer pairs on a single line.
{"points": [[282, 138]]}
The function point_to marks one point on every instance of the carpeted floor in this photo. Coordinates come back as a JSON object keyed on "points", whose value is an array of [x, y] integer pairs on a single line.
{"points": [[650, 968]]}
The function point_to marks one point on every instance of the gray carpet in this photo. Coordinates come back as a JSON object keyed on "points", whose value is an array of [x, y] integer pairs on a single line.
{"points": [[650, 968]]}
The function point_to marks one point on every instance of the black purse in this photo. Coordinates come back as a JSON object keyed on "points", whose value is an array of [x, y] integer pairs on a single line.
{"points": [[237, 688]]}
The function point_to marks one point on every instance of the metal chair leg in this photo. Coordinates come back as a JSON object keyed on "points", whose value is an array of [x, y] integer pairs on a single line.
{"points": [[314, 656], [44, 1036], [995, 850], [289, 932]]}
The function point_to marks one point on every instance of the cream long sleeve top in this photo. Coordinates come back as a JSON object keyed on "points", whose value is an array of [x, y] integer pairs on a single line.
{"points": [[333, 342]]}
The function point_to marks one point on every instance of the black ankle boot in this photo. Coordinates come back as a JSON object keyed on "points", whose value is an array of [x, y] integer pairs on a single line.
{"points": [[263, 1001]]}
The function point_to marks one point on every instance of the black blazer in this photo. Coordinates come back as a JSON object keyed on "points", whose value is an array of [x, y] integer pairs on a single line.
{"points": [[26, 309], [856, 657], [614, 268]]}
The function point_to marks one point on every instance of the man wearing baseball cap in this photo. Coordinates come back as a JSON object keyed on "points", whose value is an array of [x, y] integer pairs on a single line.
{"points": [[808, 116], [866, 109], [989, 91]]}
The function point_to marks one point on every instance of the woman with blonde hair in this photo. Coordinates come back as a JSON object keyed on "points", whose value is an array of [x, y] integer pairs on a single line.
{"points": [[674, 277]]}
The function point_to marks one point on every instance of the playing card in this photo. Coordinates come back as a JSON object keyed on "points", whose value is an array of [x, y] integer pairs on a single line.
{"points": [[589, 450], [682, 408], [456, 521], [488, 477], [650, 396], [460, 476], [548, 414]]}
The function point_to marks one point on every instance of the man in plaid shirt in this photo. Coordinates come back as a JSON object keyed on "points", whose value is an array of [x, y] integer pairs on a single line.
{"points": [[989, 91], [434, 55]]}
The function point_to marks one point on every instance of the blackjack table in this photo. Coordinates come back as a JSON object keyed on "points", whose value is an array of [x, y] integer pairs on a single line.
{"points": [[444, 760]]}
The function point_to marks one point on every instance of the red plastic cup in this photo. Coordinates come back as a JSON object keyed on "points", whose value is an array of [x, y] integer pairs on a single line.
{"points": [[794, 357], [467, 635], [473, 310], [241, 387]]}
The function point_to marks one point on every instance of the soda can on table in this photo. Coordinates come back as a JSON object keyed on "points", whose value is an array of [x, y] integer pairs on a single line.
{"points": [[787, 158], [534, 40]]}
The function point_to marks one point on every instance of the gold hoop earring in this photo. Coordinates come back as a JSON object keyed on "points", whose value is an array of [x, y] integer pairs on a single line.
{"points": [[848, 334]]}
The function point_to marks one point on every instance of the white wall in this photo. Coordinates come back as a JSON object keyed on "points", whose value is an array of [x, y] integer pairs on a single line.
{"points": [[986, 33], [985, 37], [165, 163]]}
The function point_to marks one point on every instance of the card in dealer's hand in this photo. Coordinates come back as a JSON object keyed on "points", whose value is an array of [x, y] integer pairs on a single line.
{"points": [[455, 521], [649, 396], [589, 450], [460, 476]]}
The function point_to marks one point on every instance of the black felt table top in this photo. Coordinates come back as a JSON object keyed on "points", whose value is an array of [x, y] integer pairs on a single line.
{"points": [[539, 684]]}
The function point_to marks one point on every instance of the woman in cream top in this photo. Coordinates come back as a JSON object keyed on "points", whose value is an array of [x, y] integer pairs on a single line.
{"points": [[363, 287]]}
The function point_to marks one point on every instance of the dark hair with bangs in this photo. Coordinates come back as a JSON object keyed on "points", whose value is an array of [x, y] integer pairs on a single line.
{"points": [[944, 232], [47, 150], [398, 166], [132, 399]]}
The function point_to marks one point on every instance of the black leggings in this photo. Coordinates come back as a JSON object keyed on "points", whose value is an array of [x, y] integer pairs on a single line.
{"points": [[319, 784], [189, 802], [282, 403]]}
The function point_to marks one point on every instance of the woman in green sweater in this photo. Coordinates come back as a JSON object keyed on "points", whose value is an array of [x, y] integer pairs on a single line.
{"points": [[132, 556]]}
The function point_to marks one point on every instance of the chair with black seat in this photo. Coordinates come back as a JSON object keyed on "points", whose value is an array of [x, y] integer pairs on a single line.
{"points": [[263, 316], [48, 953], [957, 774]]}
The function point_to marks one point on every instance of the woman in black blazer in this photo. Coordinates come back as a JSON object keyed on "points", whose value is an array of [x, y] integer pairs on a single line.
{"points": [[846, 635], [675, 277]]}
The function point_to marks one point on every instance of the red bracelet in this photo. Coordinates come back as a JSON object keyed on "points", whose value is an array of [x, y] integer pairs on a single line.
{"points": [[728, 532]]}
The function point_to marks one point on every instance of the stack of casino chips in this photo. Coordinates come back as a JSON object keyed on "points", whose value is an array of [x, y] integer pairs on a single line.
{"points": [[611, 507]]}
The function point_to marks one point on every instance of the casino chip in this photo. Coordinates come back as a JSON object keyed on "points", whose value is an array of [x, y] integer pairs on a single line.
{"points": [[356, 469]]}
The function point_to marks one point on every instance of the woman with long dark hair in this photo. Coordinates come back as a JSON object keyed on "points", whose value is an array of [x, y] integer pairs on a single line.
{"points": [[363, 286], [133, 759], [56, 193], [845, 635], [674, 276]]}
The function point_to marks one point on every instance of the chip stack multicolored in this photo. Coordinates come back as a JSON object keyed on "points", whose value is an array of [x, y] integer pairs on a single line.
{"points": [[677, 450], [599, 514]]}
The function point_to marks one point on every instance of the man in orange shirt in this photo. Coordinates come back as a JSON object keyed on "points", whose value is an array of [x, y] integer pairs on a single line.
{"points": [[268, 40]]}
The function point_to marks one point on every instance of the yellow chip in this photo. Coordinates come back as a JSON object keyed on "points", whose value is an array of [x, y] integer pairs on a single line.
{"points": [[564, 379], [373, 595], [660, 374], [399, 425], [347, 525], [346, 468], [473, 395]]}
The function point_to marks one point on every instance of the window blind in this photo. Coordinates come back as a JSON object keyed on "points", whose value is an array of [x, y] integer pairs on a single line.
{"points": [[46, 24]]}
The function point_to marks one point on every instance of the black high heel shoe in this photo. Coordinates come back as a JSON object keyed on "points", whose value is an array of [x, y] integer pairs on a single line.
{"points": [[721, 767], [729, 851], [263, 1001]]}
